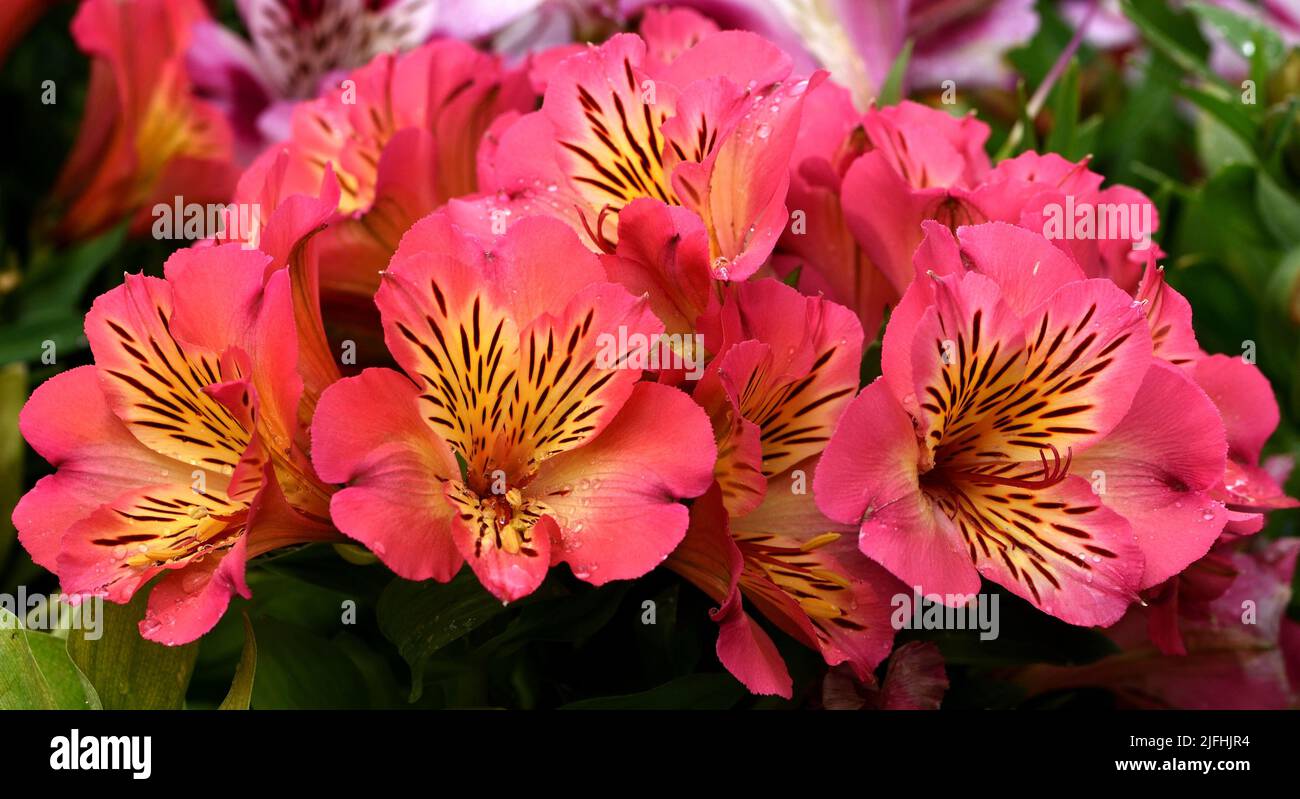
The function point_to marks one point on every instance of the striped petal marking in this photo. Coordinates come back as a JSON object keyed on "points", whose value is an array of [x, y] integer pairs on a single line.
{"points": [[183, 402], [161, 388], [1006, 402], [777, 567], [505, 399], [166, 526], [608, 131]]}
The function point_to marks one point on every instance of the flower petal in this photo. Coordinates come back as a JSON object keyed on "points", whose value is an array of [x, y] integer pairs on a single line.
{"points": [[616, 499], [368, 433]]}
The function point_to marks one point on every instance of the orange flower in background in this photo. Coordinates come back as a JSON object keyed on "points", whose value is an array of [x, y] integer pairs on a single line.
{"points": [[143, 137]]}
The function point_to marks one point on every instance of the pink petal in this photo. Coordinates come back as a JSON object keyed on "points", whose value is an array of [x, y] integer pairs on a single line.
{"points": [[1159, 468], [868, 476], [69, 423], [748, 652], [1025, 265], [186, 603], [368, 433], [1245, 402], [709, 558], [616, 498]]}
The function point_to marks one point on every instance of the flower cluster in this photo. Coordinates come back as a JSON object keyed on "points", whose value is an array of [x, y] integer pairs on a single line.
{"points": [[608, 307]]}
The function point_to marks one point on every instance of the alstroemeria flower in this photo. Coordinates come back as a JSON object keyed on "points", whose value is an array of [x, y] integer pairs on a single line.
{"points": [[1241, 653], [800, 570], [711, 130], [857, 41], [1107, 231], [820, 244], [511, 365], [144, 138], [400, 136], [1240, 393], [297, 48], [915, 679], [918, 163], [786, 367], [1250, 414], [178, 451], [1021, 431]]}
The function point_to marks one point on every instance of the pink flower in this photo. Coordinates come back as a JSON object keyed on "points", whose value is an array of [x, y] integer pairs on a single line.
{"points": [[818, 242], [1107, 231], [917, 163], [399, 135], [787, 366], [297, 49], [710, 129], [1241, 649], [179, 451], [144, 138], [800, 570], [509, 368], [1021, 432]]}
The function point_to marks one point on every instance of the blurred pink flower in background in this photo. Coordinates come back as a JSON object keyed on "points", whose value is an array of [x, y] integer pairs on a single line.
{"points": [[1242, 652], [297, 49], [144, 136]]}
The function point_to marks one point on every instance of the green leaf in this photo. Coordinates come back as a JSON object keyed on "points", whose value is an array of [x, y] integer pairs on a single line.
{"points": [[25, 340], [707, 691], [1227, 109], [566, 617], [58, 280], [1279, 211], [1063, 137], [1217, 146], [35, 671], [241, 690], [891, 91], [1159, 26], [421, 618], [1251, 38], [128, 672], [298, 669], [13, 392]]}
